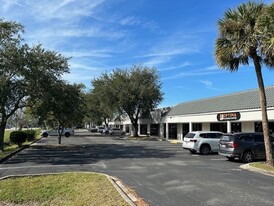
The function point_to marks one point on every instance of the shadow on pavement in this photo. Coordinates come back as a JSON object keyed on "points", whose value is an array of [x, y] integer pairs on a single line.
{"points": [[85, 154]]}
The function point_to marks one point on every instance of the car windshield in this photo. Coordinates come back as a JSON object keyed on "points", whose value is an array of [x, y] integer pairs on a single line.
{"points": [[227, 138], [190, 135]]}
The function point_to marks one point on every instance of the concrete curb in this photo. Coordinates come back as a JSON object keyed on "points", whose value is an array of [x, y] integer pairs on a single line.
{"points": [[123, 191], [176, 141], [255, 169]]}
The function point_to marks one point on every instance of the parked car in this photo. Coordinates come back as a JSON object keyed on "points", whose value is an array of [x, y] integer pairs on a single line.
{"points": [[93, 129], [105, 130], [54, 132], [245, 146], [203, 142], [100, 129], [116, 131]]}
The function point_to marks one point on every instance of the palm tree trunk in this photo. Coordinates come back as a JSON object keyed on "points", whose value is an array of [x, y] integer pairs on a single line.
{"points": [[267, 142]]}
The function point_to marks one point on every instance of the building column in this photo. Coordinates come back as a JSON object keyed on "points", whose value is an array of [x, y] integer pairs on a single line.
{"points": [[148, 129], [228, 126], [162, 130], [167, 133], [179, 131], [190, 126], [139, 129]]}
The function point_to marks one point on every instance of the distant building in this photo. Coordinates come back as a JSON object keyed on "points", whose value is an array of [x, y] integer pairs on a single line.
{"points": [[236, 112]]}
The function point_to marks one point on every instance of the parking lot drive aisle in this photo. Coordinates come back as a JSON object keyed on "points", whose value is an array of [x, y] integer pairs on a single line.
{"points": [[160, 172]]}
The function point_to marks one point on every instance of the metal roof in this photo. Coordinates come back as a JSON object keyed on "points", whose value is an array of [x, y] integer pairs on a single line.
{"points": [[231, 102]]}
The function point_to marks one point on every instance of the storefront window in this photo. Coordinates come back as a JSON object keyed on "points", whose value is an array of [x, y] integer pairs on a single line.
{"points": [[236, 127], [221, 127], [197, 127], [259, 127], [143, 129]]}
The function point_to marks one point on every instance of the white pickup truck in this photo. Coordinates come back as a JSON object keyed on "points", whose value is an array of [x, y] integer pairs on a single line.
{"points": [[54, 132]]}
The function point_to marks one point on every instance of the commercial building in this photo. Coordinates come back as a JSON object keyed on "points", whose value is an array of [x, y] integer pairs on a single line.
{"points": [[235, 112]]}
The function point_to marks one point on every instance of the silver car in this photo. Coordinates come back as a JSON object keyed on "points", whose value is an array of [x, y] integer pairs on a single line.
{"points": [[116, 131]]}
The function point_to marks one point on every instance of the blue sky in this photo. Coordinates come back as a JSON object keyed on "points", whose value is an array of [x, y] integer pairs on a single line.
{"points": [[175, 36]]}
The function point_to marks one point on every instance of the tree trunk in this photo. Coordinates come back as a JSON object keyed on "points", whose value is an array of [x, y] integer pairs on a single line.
{"points": [[2, 133], [134, 123], [60, 131], [135, 127], [267, 142]]}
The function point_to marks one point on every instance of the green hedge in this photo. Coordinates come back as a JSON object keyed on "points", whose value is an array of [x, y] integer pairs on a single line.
{"points": [[31, 134], [18, 137]]}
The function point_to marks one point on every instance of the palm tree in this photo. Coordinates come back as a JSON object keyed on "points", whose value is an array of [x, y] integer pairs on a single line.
{"points": [[238, 43]]}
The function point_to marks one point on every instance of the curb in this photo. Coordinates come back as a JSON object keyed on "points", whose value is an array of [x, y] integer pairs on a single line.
{"points": [[123, 191], [257, 170], [176, 141]]}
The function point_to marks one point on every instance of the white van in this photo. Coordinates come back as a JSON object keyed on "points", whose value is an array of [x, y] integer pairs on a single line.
{"points": [[202, 141]]}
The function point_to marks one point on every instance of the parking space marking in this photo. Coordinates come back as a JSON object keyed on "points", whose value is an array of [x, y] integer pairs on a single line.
{"points": [[50, 166]]}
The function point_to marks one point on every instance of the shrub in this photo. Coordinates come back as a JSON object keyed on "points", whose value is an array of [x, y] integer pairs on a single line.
{"points": [[30, 135], [18, 137]]}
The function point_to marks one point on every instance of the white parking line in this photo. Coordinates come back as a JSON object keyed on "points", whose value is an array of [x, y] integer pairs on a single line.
{"points": [[50, 166]]}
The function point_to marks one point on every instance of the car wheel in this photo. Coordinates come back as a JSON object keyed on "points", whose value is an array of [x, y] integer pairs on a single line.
{"points": [[230, 158], [205, 149], [106, 132], [45, 134], [192, 151], [67, 134], [248, 156]]}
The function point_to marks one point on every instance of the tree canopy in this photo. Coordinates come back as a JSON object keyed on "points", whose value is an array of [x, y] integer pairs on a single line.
{"points": [[63, 106], [134, 92], [25, 71]]}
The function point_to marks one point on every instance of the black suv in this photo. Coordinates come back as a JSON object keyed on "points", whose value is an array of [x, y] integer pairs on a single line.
{"points": [[245, 146]]}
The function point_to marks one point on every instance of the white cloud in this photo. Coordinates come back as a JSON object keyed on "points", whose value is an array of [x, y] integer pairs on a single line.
{"points": [[130, 20], [180, 66], [198, 72], [75, 66], [170, 52], [206, 83], [95, 53]]}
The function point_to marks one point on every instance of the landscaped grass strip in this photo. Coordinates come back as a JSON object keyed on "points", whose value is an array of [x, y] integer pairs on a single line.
{"points": [[61, 189]]}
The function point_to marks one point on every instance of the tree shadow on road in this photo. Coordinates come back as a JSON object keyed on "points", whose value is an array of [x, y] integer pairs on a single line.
{"points": [[86, 154]]}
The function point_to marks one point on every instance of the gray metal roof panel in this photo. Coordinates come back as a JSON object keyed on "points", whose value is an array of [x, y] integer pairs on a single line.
{"points": [[236, 101]]}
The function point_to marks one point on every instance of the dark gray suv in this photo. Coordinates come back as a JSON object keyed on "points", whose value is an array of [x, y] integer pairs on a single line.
{"points": [[245, 146]]}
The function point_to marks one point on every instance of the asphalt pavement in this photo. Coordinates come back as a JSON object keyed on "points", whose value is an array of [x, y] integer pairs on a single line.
{"points": [[163, 174]]}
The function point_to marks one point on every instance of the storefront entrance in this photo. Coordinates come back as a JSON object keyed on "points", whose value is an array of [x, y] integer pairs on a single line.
{"points": [[185, 128], [154, 129], [172, 131]]}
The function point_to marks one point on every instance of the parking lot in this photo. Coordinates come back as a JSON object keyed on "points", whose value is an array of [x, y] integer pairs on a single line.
{"points": [[160, 172]]}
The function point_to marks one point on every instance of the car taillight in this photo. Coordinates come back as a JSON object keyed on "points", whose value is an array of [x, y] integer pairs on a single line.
{"points": [[232, 145], [193, 140]]}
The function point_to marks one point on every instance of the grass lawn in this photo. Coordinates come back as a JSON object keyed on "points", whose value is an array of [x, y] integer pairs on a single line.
{"points": [[61, 189], [7, 135], [262, 165]]}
